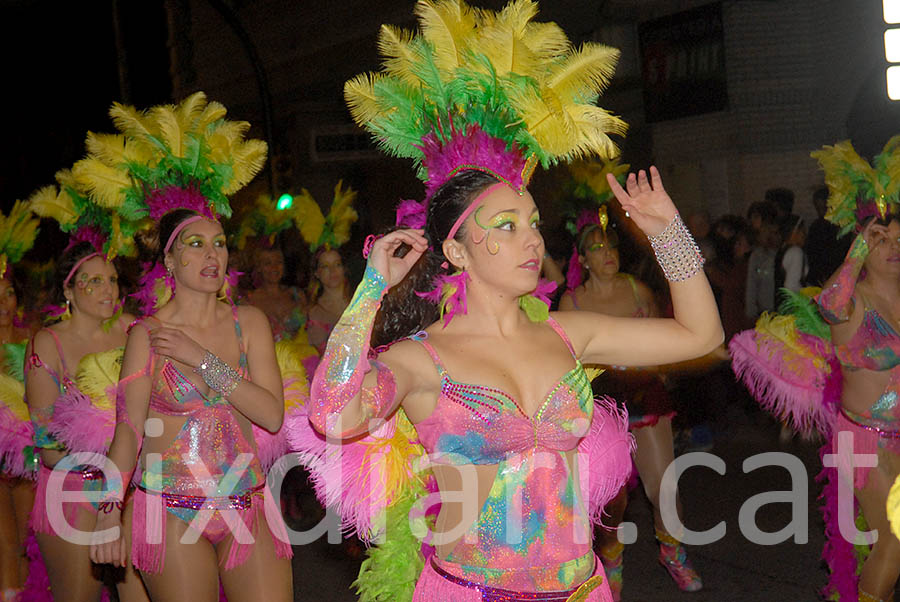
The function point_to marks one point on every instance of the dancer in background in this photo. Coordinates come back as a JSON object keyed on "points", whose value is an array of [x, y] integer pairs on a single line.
{"points": [[328, 290], [608, 291], [198, 372], [88, 305], [18, 466], [285, 306], [842, 377], [455, 307]]}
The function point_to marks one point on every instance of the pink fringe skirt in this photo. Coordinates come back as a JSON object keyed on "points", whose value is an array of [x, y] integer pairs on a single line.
{"points": [[75, 480], [148, 539], [436, 585], [866, 440]]}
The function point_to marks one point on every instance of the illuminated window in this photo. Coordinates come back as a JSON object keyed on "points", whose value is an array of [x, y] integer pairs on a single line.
{"points": [[893, 82], [892, 45], [892, 11]]}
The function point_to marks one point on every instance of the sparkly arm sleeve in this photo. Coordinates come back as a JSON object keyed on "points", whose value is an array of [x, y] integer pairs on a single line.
{"points": [[341, 403], [836, 299]]}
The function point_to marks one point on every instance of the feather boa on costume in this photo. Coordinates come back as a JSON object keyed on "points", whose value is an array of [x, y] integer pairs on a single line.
{"points": [[16, 432], [604, 456], [295, 387]]}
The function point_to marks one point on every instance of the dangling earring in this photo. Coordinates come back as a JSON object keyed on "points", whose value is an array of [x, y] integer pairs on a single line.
{"points": [[68, 313]]}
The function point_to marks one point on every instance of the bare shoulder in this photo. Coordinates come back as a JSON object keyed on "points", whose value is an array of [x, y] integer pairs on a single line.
{"points": [[579, 326], [43, 345], [251, 314], [410, 357]]}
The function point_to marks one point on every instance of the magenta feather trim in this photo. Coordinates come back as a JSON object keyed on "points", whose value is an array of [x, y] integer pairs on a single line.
{"points": [[411, 214], [90, 234], [231, 284], [575, 274], [80, 425], [15, 436], [147, 294], [785, 384], [837, 553], [54, 311], [544, 290], [450, 293], [471, 149], [37, 586], [164, 200], [345, 475], [604, 456], [586, 217], [272, 446]]}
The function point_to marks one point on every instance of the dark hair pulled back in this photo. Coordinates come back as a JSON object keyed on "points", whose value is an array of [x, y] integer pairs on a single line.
{"points": [[66, 262], [152, 242], [403, 313]]}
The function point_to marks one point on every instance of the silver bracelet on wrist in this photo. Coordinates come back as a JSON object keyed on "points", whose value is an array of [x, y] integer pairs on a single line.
{"points": [[218, 375], [676, 251]]}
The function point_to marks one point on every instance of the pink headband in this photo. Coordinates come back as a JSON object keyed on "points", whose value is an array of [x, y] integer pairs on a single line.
{"points": [[471, 209], [179, 228], [77, 265]]}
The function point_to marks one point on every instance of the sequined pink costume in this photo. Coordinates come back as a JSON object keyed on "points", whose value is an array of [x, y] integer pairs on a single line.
{"points": [[874, 346], [532, 538], [211, 469]]}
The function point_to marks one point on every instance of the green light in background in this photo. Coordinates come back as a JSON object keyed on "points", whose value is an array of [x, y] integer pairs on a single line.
{"points": [[284, 202]]}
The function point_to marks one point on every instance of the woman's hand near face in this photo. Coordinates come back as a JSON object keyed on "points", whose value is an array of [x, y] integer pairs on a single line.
{"points": [[382, 256], [645, 200]]}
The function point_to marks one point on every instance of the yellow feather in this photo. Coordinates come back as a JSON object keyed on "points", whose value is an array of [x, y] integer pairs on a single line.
{"points": [[342, 215], [892, 166], [289, 356], [584, 72], [130, 121], [393, 44], [165, 120], [115, 149], [190, 110], [12, 395], [359, 94], [308, 219], [547, 41], [448, 25], [212, 113], [97, 376], [248, 158], [51, 203], [592, 126], [106, 184]]}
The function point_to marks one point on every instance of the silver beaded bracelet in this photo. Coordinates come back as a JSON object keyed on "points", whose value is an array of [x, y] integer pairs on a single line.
{"points": [[218, 375], [676, 252]]}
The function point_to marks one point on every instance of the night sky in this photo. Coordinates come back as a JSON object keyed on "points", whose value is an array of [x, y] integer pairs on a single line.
{"points": [[61, 76]]}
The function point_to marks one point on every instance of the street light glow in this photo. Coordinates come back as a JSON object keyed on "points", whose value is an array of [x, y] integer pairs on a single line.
{"points": [[892, 45], [284, 202], [893, 82], [892, 11]]}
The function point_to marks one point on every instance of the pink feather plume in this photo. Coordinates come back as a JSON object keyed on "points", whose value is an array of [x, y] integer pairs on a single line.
{"points": [[163, 200], [411, 214]]}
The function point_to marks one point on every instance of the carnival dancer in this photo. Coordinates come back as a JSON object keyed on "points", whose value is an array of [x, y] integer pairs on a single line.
{"points": [[328, 289], [608, 291], [198, 372], [843, 378], [515, 522], [90, 325], [285, 306], [18, 466]]}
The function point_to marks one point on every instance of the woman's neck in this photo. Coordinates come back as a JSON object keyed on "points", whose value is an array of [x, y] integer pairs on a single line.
{"points": [[489, 312], [332, 296], [602, 285], [194, 307], [85, 324]]}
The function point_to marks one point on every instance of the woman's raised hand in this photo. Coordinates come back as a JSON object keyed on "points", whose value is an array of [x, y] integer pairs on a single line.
{"points": [[874, 234], [645, 200], [394, 268]]}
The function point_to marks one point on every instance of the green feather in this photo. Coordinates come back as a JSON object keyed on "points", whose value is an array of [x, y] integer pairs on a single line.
{"points": [[390, 572], [14, 360], [806, 314], [534, 308]]}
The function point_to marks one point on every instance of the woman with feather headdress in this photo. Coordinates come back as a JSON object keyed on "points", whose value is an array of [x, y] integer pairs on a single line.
{"points": [[607, 290], [18, 467], [830, 361], [199, 374], [477, 99], [328, 288], [72, 406]]}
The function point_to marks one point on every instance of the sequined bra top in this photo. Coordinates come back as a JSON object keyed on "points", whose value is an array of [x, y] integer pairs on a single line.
{"points": [[210, 440], [41, 417], [875, 345], [474, 424]]}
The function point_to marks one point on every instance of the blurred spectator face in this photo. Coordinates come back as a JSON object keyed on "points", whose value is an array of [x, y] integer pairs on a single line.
{"points": [[601, 254], [742, 246], [724, 230], [698, 224]]}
